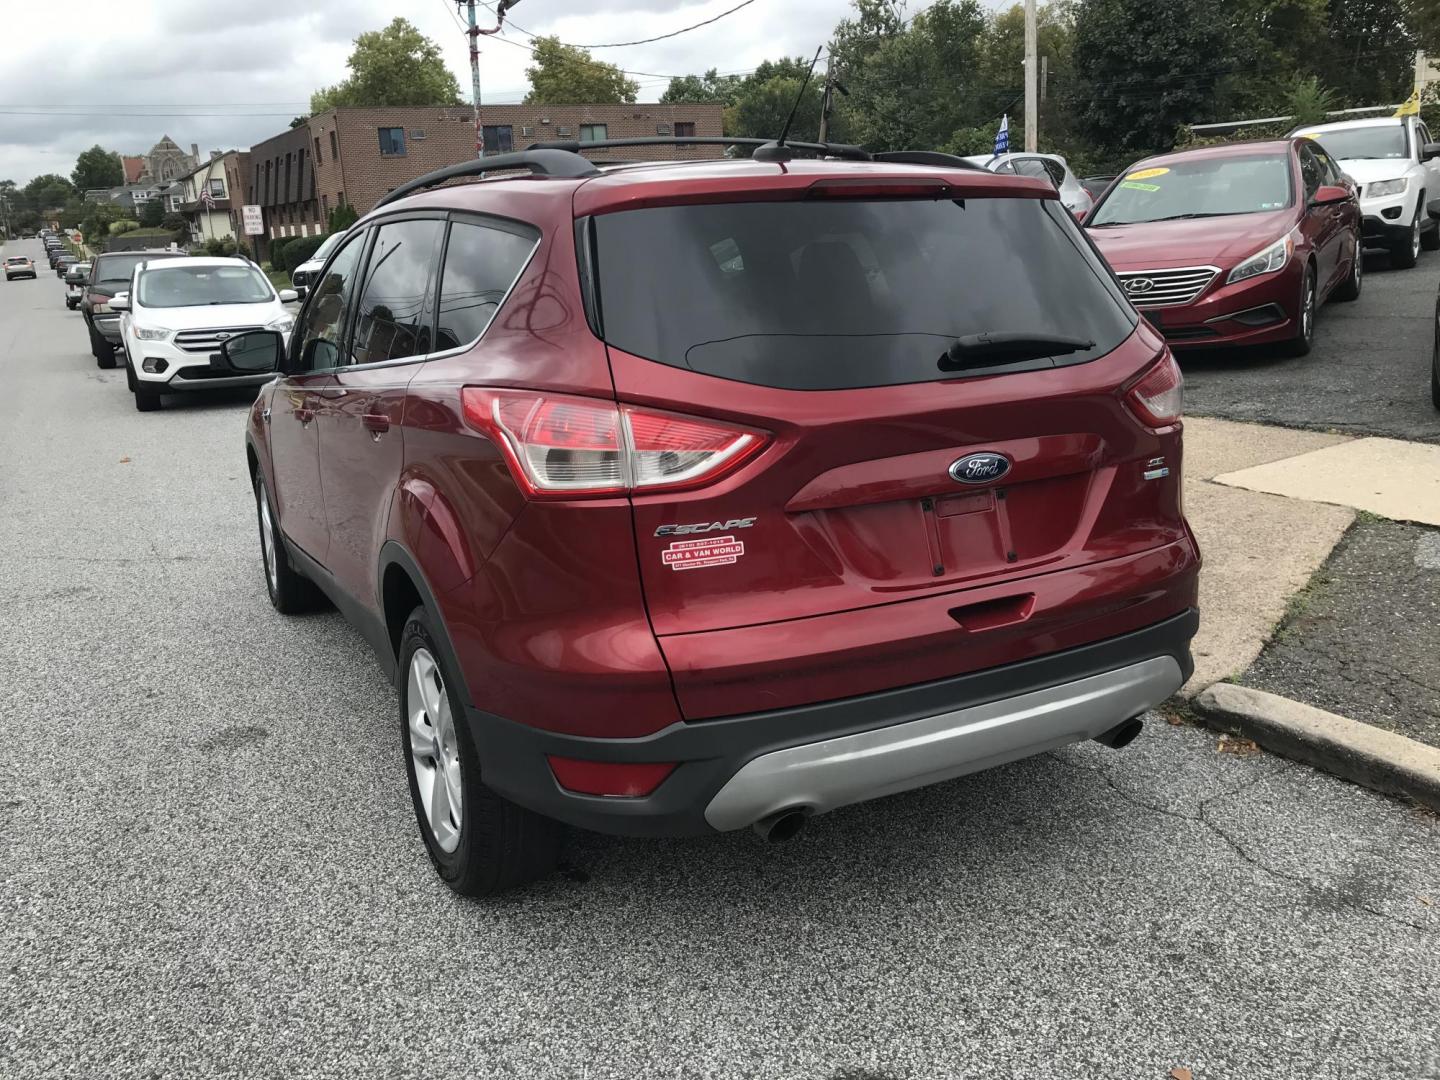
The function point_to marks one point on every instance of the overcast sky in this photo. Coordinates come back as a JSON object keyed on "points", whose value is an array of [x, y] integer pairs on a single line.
{"points": [[231, 74]]}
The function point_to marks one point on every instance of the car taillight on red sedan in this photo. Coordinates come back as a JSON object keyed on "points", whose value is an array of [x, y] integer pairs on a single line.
{"points": [[1157, 397], [563, 446]]}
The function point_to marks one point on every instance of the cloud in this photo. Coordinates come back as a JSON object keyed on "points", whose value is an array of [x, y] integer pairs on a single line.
{"points": [[231, 75]]}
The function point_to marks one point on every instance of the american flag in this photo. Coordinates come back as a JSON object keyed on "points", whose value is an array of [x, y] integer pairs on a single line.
{"points": [[206, 199]]}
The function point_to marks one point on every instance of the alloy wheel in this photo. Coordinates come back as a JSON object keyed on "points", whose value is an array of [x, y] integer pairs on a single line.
{"points": [[267, 541], [434, 749], [1307, 308], [1415, 237]]}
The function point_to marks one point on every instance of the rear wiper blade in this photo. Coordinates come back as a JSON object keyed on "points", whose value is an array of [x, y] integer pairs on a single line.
{"points": [[1007, 347]]}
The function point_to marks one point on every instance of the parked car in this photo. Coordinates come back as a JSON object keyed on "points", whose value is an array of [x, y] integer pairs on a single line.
{"points": [[1234, 245], [110, 274], [1398, 168], [304, 274], [54, 255], [1051, 167], [176, 315], [1435, 359], [18, 266], [75, 280], [63, 264], [648, 486], [1096, 185]]}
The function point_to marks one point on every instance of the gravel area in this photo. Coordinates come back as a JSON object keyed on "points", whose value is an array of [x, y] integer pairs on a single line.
{"points": [[1369, 373], [209, 864], [1363, 640]]}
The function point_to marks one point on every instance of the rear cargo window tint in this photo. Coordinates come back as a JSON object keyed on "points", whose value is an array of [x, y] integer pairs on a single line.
{"points": [[841, 294]]}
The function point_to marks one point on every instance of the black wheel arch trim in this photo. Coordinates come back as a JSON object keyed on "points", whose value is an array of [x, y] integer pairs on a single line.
{"points": [[393, 553]]}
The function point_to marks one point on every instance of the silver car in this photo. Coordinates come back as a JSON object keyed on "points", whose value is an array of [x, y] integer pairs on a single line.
{"points": [[1051, 167]]}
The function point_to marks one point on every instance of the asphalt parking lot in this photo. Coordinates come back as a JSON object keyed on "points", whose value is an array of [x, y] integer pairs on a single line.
{"points": [[210, 868], [1369, 373]]}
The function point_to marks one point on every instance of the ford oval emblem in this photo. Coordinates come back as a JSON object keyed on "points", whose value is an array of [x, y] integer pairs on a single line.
{"points": [[980, 468]]}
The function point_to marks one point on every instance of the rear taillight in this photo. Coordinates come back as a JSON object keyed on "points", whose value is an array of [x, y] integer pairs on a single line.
{"points": [[563, 446], [1157, 396]]}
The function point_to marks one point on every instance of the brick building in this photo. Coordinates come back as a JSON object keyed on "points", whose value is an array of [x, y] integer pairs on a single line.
{"points": [[357, 155]]}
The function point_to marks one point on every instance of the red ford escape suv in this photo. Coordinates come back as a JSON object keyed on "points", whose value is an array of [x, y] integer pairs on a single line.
{"points": [[692, 496], [1234, 245]]}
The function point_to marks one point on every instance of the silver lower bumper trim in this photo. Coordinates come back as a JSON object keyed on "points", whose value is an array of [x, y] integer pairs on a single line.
{"points": [[821, 776]]}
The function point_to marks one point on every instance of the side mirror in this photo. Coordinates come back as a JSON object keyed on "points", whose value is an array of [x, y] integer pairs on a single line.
{"points": [[1328, 194], [1430, 151], [288, 296], [120, 302], [256, 353]]}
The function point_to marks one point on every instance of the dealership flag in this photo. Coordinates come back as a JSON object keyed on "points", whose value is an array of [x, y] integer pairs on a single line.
{"points": [[1411, 105], [1002, 137]]}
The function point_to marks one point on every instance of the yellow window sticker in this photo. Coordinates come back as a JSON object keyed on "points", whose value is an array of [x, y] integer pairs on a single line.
{"points": [[1147, 174]]}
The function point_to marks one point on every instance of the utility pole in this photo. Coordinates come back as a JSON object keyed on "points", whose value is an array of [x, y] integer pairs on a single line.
{"points": [[825, 95], [474, 34], [1032, 76]]}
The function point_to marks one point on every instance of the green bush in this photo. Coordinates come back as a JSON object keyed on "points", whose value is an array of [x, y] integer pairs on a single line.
{"points": [[175, 223], [152, 213], [342, 217], [221, 246], [277, 250], [124, 225], [299, 250]]}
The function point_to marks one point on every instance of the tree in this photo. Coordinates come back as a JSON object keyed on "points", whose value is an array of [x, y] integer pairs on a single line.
{"points": [[152, 214], [174, 223], [395, 66], [707, 89], [1367, 53], [98, 168], [1143, 69], [342, 217], [47, 193], [564, 75]]}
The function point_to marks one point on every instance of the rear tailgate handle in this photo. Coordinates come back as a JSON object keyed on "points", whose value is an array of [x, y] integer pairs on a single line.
{"points": [[993, 614]]}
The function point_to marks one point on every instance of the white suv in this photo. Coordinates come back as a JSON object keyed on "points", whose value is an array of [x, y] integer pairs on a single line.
{"points": [[179, 311], [1397, 167]]}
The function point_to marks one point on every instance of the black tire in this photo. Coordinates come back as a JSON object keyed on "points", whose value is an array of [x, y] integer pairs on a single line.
{"points": [[1404, 253], [69, 305], [1429, 238], [1304, 339], [131, 383], [499, 845], [103, 350], [146, 400], [290, 592], [1435, 365], [1350, 288]]}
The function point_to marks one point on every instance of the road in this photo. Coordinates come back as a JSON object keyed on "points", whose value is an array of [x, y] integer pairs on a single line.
{"points": [[210, 867], [1369, 373]]}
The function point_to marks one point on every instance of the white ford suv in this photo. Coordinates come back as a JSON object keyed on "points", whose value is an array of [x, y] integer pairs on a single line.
{"points": [[179, 311], [1397, 168]]}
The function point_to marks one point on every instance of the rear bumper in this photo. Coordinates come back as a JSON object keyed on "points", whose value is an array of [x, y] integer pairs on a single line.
{"points": [[733, 771]]}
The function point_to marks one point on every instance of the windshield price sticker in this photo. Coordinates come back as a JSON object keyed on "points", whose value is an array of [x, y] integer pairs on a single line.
{"points": [[1133, 186], [697, 554], [1147, 174]]}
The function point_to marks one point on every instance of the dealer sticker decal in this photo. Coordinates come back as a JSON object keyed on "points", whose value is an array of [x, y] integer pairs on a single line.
{"points": [[709, 551]]}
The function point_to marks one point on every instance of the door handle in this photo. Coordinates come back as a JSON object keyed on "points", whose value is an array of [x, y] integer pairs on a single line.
{"points": [[304, 415], [376, 423]]}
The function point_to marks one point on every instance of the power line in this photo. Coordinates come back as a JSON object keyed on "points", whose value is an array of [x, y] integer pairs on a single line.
{"points": [[662, 37]]}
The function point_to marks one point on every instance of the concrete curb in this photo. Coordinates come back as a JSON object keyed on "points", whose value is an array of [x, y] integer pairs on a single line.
{"points": [[1362, 753]]}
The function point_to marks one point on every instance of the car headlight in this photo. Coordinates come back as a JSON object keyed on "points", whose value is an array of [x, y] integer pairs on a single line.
{"points": [[1265, 261], [148, 333], [283, 325], [1386, 187]]}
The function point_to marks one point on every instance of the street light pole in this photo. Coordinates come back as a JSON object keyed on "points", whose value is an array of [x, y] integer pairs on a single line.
{"points": [[1032, 77], [474, 33]]}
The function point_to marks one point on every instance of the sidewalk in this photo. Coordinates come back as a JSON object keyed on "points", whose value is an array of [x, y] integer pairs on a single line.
{"points": [[1305, 600]]}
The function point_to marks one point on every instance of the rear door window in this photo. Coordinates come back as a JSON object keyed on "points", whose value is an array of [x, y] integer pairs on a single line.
{"points": [[827, 295], [391, 321]]}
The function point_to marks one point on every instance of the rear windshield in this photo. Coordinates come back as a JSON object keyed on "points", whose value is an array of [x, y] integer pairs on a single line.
{"points": [[841, 294], [117, 269]]}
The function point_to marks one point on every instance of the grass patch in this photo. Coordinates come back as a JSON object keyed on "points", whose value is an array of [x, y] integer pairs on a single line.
{"points": [[279, 278]]}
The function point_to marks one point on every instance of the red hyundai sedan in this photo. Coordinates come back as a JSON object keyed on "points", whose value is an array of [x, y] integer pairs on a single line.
{"points": [[1236, 244]]}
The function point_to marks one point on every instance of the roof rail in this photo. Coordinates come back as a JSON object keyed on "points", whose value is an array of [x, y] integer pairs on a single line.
{"points": [[840, 150], [929, 157], [548, 161]]}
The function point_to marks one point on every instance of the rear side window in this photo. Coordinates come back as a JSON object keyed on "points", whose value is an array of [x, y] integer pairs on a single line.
{"points": [[838, 294], [481, 263], [391, 322]]}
